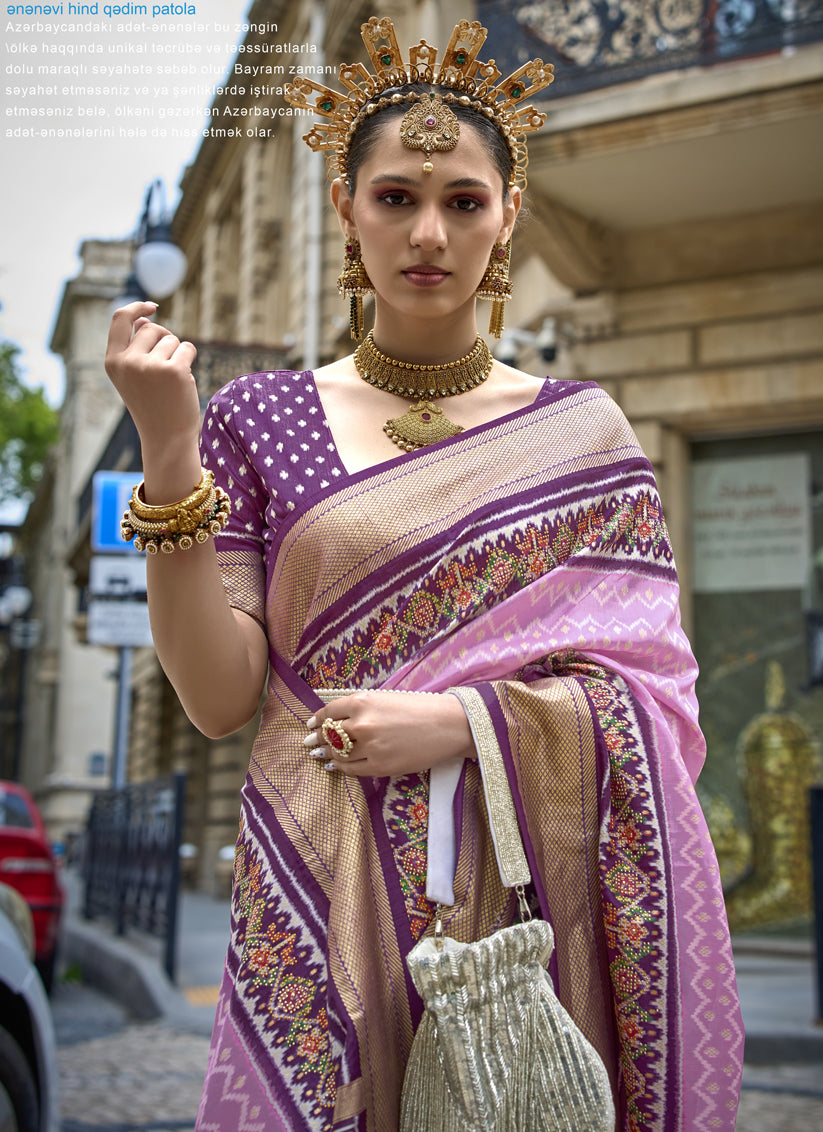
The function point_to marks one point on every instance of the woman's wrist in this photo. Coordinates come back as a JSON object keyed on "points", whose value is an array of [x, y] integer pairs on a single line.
{"points": [[170, 473], [457, 722]]}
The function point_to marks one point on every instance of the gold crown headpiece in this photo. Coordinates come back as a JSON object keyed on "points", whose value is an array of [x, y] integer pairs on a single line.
{"points": [[466, 80]]}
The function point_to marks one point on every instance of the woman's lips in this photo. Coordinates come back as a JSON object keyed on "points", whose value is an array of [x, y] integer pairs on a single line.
{"points": [[425, 275]]}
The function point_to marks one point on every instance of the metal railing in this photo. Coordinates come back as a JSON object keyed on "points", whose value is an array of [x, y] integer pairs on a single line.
{"points": [[132, 859], [597, 43]]}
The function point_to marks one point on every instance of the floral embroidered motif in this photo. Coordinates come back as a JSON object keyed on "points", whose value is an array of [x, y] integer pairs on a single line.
{"points": [[406, 810], [288, 1006], [631, 524]]}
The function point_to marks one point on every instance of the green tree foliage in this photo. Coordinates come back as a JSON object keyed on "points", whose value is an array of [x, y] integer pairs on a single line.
{"points": [[28, 428]]}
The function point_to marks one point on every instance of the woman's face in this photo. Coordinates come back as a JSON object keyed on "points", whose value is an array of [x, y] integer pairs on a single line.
{"points": [[425, 238]]}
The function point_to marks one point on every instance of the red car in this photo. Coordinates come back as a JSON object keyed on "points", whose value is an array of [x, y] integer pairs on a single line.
{"points": [[27, 863]]}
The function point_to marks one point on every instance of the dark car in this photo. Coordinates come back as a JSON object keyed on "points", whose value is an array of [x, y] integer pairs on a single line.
{"points": [[28, 1055], [28, 864]]}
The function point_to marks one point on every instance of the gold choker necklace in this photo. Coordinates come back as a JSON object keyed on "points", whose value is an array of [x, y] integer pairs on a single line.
{"points": [[423, 423]]}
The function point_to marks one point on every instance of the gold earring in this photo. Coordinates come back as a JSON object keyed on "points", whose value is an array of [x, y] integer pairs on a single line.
{"points": [[496, 285], [353, 282]]}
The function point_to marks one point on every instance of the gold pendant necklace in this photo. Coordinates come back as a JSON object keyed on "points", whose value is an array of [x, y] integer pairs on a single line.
{"points": [[423, 422]]}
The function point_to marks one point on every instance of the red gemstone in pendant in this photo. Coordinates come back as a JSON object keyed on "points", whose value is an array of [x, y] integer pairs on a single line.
{"points": [[335, 740], [431, 121], [425, 416]]}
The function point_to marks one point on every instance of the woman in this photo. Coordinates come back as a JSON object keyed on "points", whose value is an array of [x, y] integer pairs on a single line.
{"points": [[522, 552]]}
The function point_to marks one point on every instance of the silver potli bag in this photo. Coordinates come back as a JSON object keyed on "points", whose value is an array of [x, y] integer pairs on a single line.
{"points": [[495, 1050]]}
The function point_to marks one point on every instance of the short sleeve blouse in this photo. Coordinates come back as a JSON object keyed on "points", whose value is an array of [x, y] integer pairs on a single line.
{"points": [[265, 438]]}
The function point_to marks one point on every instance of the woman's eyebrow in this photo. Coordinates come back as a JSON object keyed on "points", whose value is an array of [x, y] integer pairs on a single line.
{"points": [[468, 183], [459, 183], [384, 178]]}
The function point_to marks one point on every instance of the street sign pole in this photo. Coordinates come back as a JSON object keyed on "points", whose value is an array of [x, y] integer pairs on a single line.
{"points": [[117, 613], [123, 718]]}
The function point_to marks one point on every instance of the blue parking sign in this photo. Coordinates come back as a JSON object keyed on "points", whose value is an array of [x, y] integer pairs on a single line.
{"points": [[111, 492]]}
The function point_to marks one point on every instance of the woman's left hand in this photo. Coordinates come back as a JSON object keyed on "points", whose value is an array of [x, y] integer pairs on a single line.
{"points": [[390, 733]]}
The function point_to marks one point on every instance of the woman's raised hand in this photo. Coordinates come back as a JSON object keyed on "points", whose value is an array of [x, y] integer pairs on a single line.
{"points": [[390, 733], [151, 370]]}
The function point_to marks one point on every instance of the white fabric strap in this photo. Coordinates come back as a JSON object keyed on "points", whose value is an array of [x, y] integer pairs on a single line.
{"points": [[442, 841]]}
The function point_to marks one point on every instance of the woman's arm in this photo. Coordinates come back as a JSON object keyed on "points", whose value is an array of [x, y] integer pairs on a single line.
{"points": [[215, 656]]}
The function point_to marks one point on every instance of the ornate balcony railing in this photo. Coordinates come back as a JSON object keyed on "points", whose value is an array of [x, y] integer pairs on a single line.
{"points": [[596, 43]]}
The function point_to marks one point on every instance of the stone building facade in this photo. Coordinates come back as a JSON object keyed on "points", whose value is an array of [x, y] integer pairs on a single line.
{"points": [[674, 238], [673, 246], [682, 214], [70, 693]]}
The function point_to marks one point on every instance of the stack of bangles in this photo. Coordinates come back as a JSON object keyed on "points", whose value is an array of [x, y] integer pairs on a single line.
{"points": [[205, 512]]}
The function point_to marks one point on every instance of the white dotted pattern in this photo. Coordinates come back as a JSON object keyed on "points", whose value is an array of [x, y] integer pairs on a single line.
{"points": [[266, 468]]}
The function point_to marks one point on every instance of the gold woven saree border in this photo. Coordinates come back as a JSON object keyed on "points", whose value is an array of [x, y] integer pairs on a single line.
{"points": [[511, 856], [318, 812], [244, 581]]}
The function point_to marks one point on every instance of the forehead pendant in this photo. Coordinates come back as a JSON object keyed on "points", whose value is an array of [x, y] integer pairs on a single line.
{"points": [[429, 125]]}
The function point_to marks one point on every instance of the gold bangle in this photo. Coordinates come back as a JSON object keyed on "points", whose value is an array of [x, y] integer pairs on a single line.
{"points": [[159, 537], [183, 522], [152, 513]]}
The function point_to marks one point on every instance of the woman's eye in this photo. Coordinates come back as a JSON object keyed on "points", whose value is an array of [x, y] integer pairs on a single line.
{"points": [[466, 204], [394, 198]]}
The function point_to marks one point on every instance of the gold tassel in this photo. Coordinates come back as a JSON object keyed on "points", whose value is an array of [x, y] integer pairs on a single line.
{"points": [[356, 320], [496, 317], [353, 283], [496, 285]]}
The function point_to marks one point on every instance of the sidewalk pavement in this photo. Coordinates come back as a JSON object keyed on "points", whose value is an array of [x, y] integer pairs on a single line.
{"points": [[775, 977], [129, 968]]}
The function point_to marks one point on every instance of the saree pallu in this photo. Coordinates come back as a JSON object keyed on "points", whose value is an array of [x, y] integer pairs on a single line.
{"points": [[528, 558]]}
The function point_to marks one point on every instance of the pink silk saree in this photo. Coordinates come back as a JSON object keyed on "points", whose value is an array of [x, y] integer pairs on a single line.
{"points": [[528, 558]]}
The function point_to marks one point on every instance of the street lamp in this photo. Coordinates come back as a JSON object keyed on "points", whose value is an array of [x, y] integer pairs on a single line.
{"points": [[132, 293], [159, 265], [14, 602]]}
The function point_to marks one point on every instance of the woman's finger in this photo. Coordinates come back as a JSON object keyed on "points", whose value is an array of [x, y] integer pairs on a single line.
{"points": [[149, 334], [123, 323], [331, 711], [344, 707], [166, 347], [185, 353], [342, 741]]}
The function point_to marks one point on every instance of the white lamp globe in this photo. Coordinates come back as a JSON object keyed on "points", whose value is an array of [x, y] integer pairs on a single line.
{"points": [[160, 267], [14, 602]]}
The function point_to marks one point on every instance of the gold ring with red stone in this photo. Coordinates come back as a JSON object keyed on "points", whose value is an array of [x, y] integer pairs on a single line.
{"points": [[337, 737]]}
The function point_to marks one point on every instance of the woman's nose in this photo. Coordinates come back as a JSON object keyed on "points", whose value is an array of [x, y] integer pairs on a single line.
{"points": [[428, 231]]}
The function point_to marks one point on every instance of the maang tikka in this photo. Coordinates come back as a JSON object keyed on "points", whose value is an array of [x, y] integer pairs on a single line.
{"points": [[430, 125], [353, 282]]}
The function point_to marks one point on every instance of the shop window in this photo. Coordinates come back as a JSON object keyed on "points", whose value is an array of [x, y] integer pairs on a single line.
{"points": [[757, 567]]}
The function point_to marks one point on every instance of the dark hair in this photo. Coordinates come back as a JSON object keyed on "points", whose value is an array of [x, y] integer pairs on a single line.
{"points": [[365, 137]]}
